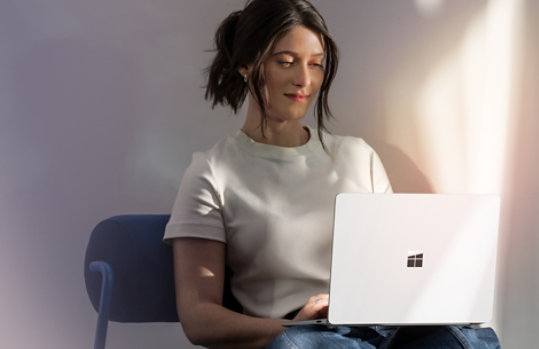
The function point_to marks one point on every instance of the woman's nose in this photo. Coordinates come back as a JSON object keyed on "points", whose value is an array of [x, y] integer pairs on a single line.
{"points": [[302, 76]]}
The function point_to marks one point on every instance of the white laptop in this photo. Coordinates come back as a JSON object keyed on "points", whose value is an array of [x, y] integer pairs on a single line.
{"points": [[412, 259]]}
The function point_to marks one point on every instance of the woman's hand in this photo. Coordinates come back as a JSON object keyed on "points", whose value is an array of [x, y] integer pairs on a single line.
{"points": [[316, 308]]}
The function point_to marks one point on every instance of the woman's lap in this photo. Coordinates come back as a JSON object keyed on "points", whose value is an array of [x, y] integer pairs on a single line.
{"points": [[382, 337], [330, 337]]}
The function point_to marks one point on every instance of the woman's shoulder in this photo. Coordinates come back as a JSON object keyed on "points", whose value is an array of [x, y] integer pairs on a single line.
{"points": [[345, 145], [220, 154], [223, 148]]}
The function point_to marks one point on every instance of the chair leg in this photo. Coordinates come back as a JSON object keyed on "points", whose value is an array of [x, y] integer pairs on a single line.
{"points": [[104, 304]]}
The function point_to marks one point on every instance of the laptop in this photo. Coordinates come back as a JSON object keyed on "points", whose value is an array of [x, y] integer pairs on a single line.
{"points": [[412, 259]]}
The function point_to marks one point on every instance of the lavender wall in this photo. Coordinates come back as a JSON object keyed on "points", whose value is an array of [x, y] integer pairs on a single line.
{"points": [[101, 109]]}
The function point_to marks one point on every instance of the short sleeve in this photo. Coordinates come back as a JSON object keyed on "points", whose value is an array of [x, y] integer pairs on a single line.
{"points": [[379, 180], [197, 209]]}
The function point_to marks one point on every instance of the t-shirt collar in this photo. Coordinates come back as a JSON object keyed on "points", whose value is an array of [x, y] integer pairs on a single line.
{"points": [[277, 152]]}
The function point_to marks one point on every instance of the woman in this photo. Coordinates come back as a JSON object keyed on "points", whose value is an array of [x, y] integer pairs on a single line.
{"points": [[261, 201]]}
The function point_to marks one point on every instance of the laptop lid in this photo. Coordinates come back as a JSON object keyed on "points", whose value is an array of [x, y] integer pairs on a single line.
{"points": [[403, 259]]}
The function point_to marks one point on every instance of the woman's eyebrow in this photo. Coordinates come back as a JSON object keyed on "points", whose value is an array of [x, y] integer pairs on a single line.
{"points": [[292, 53]]}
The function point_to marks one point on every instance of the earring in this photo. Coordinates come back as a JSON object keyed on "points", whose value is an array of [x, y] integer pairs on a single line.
{"points": [[245, 78]]}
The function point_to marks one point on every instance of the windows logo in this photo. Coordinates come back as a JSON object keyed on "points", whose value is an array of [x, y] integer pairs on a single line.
{"points": [[415, 259]]}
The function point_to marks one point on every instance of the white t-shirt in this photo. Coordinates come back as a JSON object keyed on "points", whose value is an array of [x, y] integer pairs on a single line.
{"points": [[273, 207]]}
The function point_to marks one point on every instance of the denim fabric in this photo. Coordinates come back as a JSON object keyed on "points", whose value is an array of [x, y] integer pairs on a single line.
{"points": [[386, 337], [480, 338]]}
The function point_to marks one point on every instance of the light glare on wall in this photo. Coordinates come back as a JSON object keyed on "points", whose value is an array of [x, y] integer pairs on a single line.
{"points": [[429, 8], [459, 122]]}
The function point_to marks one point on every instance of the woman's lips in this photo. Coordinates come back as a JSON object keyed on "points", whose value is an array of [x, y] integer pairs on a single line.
{"points": [[297, 97]]}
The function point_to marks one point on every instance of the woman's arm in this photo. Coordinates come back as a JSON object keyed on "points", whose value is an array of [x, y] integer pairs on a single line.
{"points": [[199, 271]]}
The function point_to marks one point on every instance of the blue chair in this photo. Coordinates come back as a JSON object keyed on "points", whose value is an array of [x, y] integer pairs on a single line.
{"points": [[129, 273]]}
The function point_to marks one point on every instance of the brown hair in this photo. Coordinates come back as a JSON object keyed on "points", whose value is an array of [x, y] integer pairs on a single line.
{"points": [[246, 37]]}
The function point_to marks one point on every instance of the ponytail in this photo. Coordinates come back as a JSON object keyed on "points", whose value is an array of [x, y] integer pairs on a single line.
{"points": [[225, 84]]}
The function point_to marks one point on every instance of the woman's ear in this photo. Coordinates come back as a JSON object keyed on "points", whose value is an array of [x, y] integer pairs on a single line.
{"points": [[244, 71]]}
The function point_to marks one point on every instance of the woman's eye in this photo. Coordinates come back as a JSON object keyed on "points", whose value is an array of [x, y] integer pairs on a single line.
{"points": [[285, 64]]}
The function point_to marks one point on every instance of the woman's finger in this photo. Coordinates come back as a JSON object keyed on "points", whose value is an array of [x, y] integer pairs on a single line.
{"points": [[315, 306], [318, 298]]}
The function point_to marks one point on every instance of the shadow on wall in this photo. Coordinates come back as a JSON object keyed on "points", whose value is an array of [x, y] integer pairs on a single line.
{"points": [[520, 297], [78, 108], [75, 111], [404, 175]]}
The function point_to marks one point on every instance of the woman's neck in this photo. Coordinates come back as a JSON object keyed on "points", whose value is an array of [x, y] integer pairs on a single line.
{"points": [[287, 133], [284, 136]]}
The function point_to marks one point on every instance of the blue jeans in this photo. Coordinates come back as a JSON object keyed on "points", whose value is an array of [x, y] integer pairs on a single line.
{"points": [[386, 337]]}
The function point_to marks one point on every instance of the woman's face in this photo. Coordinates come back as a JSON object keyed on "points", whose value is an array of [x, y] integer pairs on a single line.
{"points": [[293, 75]]}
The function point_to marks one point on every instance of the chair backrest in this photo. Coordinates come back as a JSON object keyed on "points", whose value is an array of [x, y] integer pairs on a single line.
{"points": [[143, 288]]}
